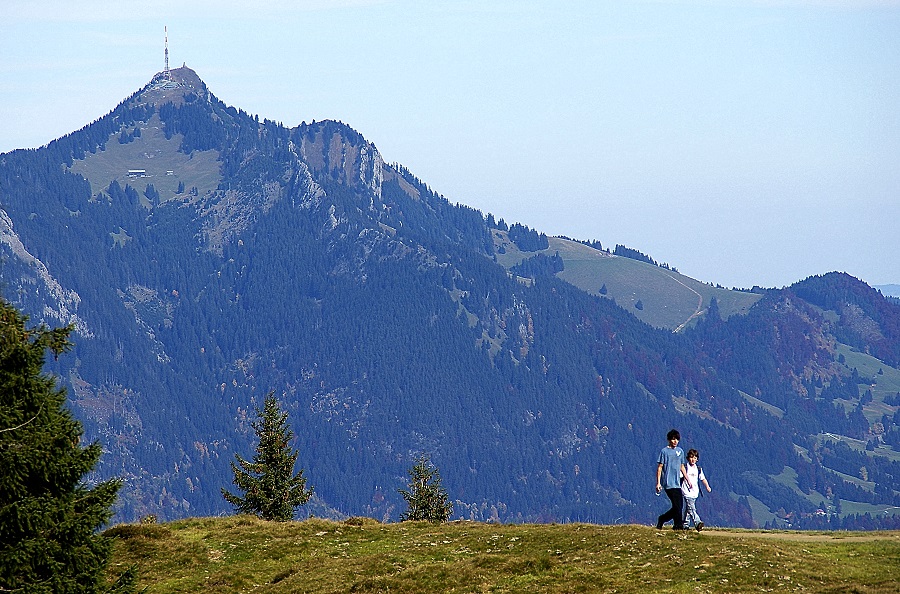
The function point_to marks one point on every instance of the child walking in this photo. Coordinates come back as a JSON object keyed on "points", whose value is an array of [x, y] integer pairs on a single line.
{"points": [[690, 488]]}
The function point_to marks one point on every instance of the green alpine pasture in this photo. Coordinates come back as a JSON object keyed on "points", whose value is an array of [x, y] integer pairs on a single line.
{"points": [[668, 299]]}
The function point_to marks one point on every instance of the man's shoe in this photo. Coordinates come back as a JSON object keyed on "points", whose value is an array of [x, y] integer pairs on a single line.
{"points": [[699, 526]]}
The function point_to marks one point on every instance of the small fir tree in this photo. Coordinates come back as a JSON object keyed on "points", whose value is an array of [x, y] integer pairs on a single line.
{"points": [[426, 498], [49, 517], [271, 489]]}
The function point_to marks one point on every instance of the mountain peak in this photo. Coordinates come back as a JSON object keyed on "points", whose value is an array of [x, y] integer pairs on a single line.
{"points": [[172, 85]]}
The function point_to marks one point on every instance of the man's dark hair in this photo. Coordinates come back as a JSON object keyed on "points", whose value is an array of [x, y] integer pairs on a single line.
{"points": [[673, 434]]}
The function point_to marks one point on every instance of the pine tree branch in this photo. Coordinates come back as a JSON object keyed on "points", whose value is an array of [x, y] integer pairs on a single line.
{"points": [[31, 420]]}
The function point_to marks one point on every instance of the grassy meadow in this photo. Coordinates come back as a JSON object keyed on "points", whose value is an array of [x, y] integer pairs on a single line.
{"points": [[244, 554], [669, 299]]}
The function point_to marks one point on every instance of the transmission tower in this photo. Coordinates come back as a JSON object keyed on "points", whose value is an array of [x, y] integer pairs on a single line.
{"points": [[166, 71]]}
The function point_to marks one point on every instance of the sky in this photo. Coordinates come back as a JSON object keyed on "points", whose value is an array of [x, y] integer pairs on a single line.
{"points": [[743, 142]]}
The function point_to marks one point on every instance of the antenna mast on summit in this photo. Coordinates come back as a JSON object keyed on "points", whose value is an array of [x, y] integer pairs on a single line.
{"points": [[166, 71]]}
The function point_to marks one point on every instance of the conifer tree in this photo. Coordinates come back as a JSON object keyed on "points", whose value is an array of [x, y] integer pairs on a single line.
{"points": [[49, 516], [271, 489], [426, 498]]}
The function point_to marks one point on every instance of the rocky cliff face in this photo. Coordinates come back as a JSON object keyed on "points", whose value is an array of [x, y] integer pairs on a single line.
{"points": [[36, 285]]}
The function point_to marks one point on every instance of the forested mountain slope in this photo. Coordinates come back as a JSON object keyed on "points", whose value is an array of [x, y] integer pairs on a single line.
{"points": [[206, 257]]}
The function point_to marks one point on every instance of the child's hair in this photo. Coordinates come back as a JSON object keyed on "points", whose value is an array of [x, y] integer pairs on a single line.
{"points": [[673, 434], [693, 453]]}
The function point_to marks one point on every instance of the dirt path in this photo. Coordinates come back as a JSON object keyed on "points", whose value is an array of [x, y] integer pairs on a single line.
{"points": [[699, 310], [843, 537]]}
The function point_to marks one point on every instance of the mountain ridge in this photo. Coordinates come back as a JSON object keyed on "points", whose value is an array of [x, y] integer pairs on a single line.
{"points": [[392, 323]]}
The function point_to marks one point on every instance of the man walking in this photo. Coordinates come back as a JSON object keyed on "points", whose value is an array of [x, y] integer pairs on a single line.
{"points": [[669, 471]]}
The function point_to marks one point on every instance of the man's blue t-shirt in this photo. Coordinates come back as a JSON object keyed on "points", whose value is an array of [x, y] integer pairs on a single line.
{"points": [[671, 459]]}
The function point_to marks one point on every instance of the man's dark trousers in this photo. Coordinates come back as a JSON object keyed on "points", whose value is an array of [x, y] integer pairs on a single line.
{"points": [[676, 513]]}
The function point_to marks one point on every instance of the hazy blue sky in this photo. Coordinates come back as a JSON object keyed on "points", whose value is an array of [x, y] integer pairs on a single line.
{"points": [[744, 142]]}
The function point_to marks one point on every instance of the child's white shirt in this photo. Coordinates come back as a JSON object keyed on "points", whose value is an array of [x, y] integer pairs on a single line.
{"points": [[695, 475]]}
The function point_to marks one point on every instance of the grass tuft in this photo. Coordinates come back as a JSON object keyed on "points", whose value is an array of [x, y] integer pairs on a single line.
{"points": [[361, 521], [125, 531]]}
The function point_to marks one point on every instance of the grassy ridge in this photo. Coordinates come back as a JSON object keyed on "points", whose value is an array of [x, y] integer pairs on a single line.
{"points": [[241, 553], [668, 299]]}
